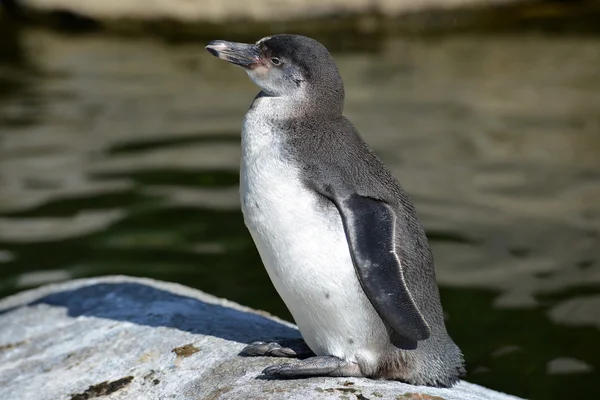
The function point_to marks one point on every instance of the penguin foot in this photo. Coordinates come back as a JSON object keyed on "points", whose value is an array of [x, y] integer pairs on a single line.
{"points": [[258, 349], [314, 366]]}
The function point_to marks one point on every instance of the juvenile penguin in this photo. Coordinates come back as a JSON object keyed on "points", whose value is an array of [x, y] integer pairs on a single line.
{"points": [[338, 236]]}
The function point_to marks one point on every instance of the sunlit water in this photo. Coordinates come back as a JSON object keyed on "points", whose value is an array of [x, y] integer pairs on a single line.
{"points": [[120, 156]]}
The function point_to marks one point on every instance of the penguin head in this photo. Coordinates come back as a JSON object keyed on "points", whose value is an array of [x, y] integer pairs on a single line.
{"points": [[291, 66]]}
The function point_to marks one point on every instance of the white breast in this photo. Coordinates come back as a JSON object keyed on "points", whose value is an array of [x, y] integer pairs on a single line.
{"points": [[303, 247]]}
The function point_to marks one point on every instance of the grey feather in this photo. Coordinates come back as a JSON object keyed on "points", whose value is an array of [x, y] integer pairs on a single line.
{"points": [[369, 226]]}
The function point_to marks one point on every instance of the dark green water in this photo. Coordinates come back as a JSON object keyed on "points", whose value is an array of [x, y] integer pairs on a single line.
{"points": [[120, 156]]}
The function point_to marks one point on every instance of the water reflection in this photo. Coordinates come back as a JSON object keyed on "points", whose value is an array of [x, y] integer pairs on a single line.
{"points": [[120, 157], [522, 350], [19, 103]]}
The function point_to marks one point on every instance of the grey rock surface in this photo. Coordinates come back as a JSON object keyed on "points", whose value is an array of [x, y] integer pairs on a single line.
{"points": [[132, 338]]}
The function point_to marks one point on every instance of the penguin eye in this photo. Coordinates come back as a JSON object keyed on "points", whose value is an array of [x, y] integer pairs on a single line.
{"points": [[275, 61]]}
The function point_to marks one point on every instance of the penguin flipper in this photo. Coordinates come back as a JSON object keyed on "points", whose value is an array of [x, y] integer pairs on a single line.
{"points": [[370, 231]]}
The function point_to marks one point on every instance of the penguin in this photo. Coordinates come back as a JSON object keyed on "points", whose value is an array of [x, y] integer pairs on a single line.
{"points": [[338, 236]]}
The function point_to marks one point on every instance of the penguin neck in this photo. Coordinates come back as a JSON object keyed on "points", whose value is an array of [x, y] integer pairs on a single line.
{"points": [[298, 105]]}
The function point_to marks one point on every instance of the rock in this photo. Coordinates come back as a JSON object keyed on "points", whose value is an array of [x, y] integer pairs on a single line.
{"points": [[135, 338], [256, 10]]}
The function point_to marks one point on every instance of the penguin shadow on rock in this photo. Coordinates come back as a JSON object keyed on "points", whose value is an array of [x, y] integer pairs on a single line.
{"points": [[147, 305]]}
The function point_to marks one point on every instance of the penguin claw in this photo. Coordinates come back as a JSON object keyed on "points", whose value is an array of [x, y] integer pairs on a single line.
{"points": [[314, 366], [257, 349], [282, 352], [279, 370]]}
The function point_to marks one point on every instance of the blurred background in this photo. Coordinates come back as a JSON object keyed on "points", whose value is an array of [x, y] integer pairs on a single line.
{"points": [[119, 154]]}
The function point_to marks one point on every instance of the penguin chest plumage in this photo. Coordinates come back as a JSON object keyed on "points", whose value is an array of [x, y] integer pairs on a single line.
{"points": [[301, 241]]}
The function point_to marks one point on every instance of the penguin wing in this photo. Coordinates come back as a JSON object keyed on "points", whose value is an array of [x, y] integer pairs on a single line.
{"points": [[370, 231]]}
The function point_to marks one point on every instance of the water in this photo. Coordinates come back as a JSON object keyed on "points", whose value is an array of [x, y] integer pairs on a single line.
{"points": [[120, 156]]}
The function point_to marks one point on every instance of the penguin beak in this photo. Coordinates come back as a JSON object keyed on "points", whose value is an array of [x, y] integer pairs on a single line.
{"points": [[242, 54]]}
